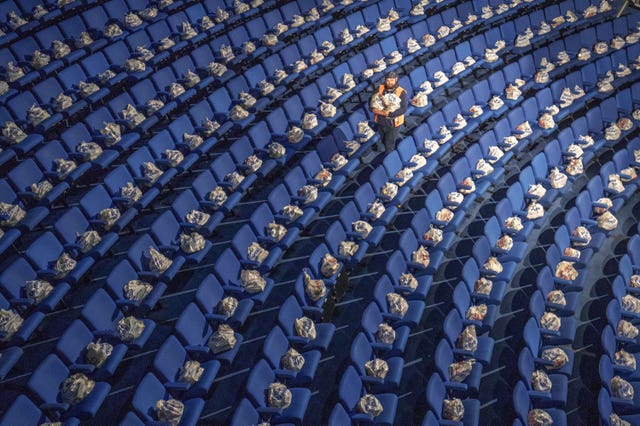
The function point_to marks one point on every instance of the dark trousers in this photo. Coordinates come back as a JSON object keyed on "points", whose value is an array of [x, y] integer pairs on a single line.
{"points": [[388, 135]]}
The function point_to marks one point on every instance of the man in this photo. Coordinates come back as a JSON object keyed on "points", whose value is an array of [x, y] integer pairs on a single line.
{"points": [[388, 118]]}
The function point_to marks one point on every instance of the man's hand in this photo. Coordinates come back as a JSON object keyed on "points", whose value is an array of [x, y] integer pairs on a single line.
{"points": [[380, 112]]}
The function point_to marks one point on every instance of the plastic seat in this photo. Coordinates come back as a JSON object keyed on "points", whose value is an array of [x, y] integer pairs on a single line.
{"points": [[120, 177], [243, 238], [364, 197], [168, 362], [413, 315], [45, 384], [27, 173], [311, 165], [471, 274], [361, 353], [437, 392], [371, 319], [462, 302], [203, 184], [150, 390], [208, 297], [504, 210], [102, 314], [228, 268], [335, 235], [349, 215], [96, 121], [136, 165], [260, 220], [453, 326], [72, 224], [9, 357], [24, 411], [289, 312], [222, 166], [12, 281], [605, 408], [29, 325], [610, 346], [260, 378], [187, 202], [533, 342], [72, 350], [482, 252], [556, 397], [166, 231], [275, 346], [120, 275], [138, 255], [629, 406], [45, 251], [46, 92], [194, 331], [522, 405], [493, 233], [242, 149], [98, 199], [34, 215], [351, 389], [443, 358]]}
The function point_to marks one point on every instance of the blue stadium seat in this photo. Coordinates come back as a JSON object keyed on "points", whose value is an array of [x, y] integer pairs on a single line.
{"points": [[361, 353], [453, 326], [228, 269], [10, 357], [72, 350], [167, 232], [138, 255], [260, 378], [443, 358], [289, 312], [25, 411], [121, 177], [43, 254], [119, 276], [98, 199], [436, 394], [208, 297], [150, 390], [169, 361], [557, 396], [275, 346], [534, 343], [102, 315], [12, 281], [522, 405], [351, 389], [371, 319], [185, 203], [45, 384], [194, 331], [462, 301]]}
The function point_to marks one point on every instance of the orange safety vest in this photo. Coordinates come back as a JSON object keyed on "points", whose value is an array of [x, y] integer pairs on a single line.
{"points": [[397, 121]]}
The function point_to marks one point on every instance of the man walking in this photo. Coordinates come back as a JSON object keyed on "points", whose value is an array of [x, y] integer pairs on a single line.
{"points": [[389, 104]]}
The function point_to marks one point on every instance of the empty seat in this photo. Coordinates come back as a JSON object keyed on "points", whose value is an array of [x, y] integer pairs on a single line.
{"points": [[150, 390], [45, 383], [72, 350], [103, 316]]}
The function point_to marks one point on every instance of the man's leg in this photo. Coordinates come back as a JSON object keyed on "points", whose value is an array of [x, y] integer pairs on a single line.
{"points": [[390, 139]]}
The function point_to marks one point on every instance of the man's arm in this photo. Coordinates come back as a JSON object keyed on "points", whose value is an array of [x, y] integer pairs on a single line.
{"points": [[404, 104]]}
